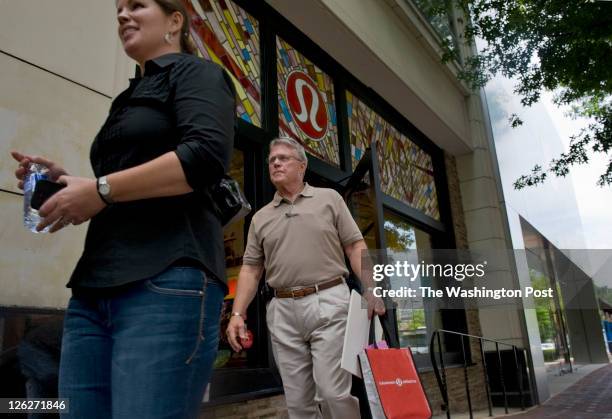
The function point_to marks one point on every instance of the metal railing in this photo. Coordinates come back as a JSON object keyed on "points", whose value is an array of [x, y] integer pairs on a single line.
{"points": [[442, 377]]}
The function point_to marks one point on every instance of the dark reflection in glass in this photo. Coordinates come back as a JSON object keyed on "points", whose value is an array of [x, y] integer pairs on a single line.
{"points": [[399, 235], [29, 354], [233, 238], [437, 13], [551, 321], [416, 317], [361, 204]]}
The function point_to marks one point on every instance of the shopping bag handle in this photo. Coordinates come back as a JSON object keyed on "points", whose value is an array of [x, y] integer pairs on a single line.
{"points": [[372, 334], [386, 322]]}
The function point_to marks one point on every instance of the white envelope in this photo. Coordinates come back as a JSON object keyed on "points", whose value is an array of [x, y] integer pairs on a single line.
{"points": [[356, 334]]}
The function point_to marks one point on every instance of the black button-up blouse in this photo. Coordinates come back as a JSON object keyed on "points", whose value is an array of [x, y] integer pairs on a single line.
{"points": [[182, 104]]}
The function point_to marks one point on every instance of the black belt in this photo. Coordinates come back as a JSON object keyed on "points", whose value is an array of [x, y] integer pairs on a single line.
{"points": [[303, 292]]}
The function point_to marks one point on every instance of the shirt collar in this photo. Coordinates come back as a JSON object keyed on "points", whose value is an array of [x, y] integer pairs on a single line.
{"points": [[307, 192], [161, 62]]}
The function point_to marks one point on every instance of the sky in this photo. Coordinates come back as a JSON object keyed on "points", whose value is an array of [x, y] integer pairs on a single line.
{"points": [[594, 202], [572, 212]]}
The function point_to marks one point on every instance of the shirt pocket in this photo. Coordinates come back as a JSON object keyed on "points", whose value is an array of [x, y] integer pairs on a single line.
{"points": [[152, 89]]}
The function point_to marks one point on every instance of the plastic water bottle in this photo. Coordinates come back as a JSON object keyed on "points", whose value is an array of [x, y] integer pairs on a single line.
{"points": [[31, 218]]}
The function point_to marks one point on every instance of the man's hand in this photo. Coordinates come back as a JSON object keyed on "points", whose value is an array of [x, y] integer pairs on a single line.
{"points": [[248, 280], [354, 253], [236, 329], [375, 304]]}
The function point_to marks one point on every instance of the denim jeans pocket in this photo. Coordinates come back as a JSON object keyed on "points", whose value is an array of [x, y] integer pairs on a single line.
{"points": [[188, 282]]}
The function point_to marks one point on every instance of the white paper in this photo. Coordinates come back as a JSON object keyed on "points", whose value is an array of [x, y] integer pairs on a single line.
{"points": [[356, 334]]}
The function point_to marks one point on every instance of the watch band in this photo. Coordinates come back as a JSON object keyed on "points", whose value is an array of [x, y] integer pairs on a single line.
{"points": [[103, 197]]}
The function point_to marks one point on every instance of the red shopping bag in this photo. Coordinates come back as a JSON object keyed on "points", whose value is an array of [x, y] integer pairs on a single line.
{"points": [[392, 384]]}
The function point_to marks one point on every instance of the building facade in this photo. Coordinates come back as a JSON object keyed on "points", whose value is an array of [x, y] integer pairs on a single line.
{"points": [[338, 76]]}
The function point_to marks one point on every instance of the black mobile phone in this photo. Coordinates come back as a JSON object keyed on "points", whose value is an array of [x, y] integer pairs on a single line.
{"points": [[44, 190]]}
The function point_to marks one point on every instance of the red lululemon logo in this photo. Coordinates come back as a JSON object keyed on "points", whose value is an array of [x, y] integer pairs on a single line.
{"points": [[307, 105]]}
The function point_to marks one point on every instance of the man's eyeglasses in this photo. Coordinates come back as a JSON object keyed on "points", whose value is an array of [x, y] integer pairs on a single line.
{"points": [[282, 158]]}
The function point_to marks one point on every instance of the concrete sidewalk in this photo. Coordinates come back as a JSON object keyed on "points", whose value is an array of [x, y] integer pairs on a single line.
{"points": [[589, 398]]}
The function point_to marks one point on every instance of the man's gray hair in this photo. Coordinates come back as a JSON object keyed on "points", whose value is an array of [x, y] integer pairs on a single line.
{"points": [[290, 142]]}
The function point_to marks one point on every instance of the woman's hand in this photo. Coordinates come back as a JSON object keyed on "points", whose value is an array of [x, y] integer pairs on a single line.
{"points": [[76, 203], [25, 160]]}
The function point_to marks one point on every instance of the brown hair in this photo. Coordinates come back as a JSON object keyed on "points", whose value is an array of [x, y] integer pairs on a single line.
{"points": [[171, 6]]}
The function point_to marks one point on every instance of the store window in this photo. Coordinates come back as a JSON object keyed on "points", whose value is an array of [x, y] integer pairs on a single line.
{"points": [[550, 314], [224, 33], [406, 171], [417, 318], [306, 104], [361, 204], [234, 243], [437, 14]]}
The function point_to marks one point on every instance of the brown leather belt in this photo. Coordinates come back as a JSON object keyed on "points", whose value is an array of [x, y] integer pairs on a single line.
{"points": [[303, 292]]}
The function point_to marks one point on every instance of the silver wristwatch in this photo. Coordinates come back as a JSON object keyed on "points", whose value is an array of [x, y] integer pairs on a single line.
{"points": [[104, 190]]}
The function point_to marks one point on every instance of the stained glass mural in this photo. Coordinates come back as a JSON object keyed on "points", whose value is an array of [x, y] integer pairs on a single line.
{"points": [[306, 107], [406, 171], [226, 34]]}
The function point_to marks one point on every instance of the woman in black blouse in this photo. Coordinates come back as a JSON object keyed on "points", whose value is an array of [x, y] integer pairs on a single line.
{"points": [[141, 328]]}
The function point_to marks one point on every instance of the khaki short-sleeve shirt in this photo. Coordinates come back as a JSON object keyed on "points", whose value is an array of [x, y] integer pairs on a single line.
{"points": [[302, 243]]}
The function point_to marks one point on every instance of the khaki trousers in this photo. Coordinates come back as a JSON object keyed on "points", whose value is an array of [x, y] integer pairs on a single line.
{"points": [[307, 336]]}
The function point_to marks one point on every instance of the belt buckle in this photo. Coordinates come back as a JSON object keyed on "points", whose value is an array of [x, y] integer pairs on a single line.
{"points": [[299, 293]]}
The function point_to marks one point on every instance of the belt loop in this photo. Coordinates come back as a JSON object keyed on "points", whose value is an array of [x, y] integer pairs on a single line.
{"points": [[317, 288]]}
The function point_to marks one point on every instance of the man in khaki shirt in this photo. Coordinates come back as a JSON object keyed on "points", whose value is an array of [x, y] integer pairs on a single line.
{"points": [[300, 239]]}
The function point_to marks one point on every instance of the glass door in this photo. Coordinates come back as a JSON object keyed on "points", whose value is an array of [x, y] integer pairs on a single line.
{"points": [[240, 376], [234, 244], [364, 199]]}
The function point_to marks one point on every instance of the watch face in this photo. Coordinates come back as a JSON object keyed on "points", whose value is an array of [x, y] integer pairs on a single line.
{"points": [[104, 189]]}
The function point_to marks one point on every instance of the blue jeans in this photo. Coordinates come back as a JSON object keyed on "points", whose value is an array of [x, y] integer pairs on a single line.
{"points": [[146, 352]]}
